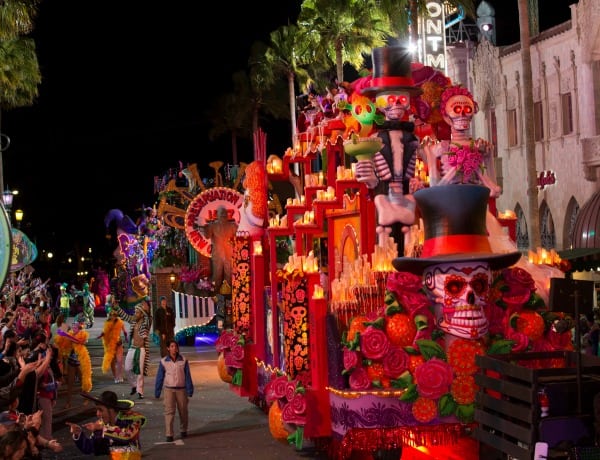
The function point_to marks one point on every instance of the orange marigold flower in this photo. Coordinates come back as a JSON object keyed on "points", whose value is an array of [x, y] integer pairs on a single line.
{"points": [[461, 356], [463, 389], [424, 409]]}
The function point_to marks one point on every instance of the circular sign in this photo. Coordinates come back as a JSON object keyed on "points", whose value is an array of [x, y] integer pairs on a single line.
{"points": [[5, 244], [203, 210]]}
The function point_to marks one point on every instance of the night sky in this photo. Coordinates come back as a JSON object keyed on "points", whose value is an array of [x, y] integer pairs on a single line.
{"points": [[125, 85]]}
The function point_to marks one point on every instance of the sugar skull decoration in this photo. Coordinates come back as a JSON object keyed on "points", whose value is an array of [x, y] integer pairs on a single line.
{"points": [[458, 107], [457, 260], [459, 291]]}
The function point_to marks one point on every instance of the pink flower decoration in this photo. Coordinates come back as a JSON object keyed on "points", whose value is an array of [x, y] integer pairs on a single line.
{"points": [[434, 378], [399, 282], [275, 389], [467, 160], [359, 379], [395, 362], [289, 415], [290, 390], [351, 359], [413, 301], [374, 344]]}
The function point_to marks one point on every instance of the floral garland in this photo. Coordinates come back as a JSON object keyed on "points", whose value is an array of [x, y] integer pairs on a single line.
{"points": [[398, 346], [110, 337], [232, 346]]}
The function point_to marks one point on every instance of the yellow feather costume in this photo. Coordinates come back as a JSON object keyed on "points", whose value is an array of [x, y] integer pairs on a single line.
{"points": [[111, 334], [75, 341]]}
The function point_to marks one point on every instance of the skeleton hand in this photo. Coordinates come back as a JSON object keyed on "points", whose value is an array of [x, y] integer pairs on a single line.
{"points": [[365, 173]]}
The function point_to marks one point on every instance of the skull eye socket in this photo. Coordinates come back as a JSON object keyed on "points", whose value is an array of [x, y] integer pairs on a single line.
{"points": [[457, 109], [479, 284], [455, 285], [468, 110]]}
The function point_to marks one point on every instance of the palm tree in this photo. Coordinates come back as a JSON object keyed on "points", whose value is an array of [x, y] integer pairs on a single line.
{"points": [[343, 31], [266, 92], [285, 54], [228, 117], [532, 189], [19, 73]]}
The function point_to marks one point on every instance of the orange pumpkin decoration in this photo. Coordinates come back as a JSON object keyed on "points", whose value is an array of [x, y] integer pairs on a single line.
{"points": [[222, 369], [276, 425]]}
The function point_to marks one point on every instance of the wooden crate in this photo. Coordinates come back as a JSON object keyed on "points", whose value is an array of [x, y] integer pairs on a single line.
{"points": [[508, 412]]}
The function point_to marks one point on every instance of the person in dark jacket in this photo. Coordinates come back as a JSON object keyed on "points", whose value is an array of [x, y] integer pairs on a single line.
{"points": [[164, 325], [175, 379], [117, 428]]}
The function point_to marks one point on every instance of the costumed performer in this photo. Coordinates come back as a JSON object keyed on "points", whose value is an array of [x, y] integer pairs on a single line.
{"points": [[113, 345], [72, 348], [64, 300], [137, 360], [115, 433]]}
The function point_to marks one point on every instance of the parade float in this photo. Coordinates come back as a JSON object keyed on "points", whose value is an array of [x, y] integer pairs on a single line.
{"points": [[363, 352]]}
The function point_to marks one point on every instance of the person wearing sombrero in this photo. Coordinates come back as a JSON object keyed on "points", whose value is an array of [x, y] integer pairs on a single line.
{"points": [[457, 260], [390, 172], [115, 432]]}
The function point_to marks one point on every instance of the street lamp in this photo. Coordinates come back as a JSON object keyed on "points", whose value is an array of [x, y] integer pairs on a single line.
{"points": [[19, 217], [7, 199], [172, 279]]}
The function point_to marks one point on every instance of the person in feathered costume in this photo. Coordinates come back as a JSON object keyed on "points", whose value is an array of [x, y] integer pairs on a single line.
{"points": [[72, 345], [113, 345]]}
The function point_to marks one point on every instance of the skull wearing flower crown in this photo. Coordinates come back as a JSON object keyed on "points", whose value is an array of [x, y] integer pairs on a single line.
{"points": [[459, 290]]}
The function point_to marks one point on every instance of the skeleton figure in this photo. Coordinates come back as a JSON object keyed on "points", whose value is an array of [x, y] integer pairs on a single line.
{"points": [[459, 290], [458, 107]]}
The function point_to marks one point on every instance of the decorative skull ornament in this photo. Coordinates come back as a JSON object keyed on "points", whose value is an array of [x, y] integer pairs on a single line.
{"points": [[460, 109], [394, 104], [459, 290]]}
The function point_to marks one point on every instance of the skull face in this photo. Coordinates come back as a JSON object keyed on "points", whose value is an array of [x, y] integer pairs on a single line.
{"points": [[460, 290], [243, 269], [298, 313], [394, 104], [460, 110]]}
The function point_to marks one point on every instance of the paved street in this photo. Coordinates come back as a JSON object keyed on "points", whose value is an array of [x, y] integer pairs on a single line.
{"points": [[222, 425]]}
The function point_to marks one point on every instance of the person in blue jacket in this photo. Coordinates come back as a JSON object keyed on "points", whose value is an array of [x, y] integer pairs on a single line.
{"points": [[175, 380]]}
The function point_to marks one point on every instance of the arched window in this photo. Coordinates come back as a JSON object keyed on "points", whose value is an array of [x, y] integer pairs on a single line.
{"points": [[547, 233], [522, 235], [570, 219]]}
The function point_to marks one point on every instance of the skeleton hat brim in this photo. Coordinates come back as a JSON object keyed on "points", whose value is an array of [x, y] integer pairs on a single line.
{"points": [[454, 219]]}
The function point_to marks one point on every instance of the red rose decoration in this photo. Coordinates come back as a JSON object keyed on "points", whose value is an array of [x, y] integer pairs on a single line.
{"points": [[374, 344], [298, 403], [399, 282], [275, 389], [351, 359], [290, 390], [414, 301], [395, 362], [359, 379], [520, 285], [289, 415], [434, 378]]}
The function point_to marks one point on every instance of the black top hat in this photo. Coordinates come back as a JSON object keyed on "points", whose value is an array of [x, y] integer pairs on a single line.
{"points": [[109, 399], [391, 71], [455, 230]]}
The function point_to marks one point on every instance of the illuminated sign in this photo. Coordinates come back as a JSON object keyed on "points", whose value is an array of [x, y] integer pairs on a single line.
{"points": [[432, 37], [546, 178], [203, 209]]}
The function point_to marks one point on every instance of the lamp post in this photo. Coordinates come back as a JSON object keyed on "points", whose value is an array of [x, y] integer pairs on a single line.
{"points": [[7, 199], [19, 217]]}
